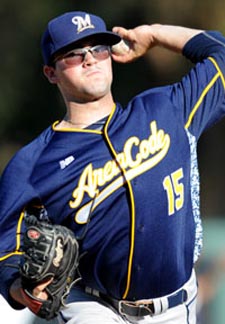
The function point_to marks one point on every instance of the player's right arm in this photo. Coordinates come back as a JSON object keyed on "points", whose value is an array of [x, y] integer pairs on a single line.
{"points": [[143, 38], [200, 95]]}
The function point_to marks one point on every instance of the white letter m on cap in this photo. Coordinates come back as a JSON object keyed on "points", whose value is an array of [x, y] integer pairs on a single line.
{"points": [[82, 23]]}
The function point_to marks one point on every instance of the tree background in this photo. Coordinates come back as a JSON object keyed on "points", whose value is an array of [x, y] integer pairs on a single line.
{"points": [[28, 103]]}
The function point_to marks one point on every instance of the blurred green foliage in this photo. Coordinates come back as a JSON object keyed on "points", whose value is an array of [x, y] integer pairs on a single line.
{"points": [[28, 103]]}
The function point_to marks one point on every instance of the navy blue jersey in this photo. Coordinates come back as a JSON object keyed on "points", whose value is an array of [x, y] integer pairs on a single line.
{"points": [[130, 192]]}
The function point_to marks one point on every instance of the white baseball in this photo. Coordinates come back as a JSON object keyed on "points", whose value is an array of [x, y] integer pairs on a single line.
{"points": [[121, 48]]}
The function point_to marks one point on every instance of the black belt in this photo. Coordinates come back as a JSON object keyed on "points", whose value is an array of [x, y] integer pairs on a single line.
{"points": [[144, 307]]}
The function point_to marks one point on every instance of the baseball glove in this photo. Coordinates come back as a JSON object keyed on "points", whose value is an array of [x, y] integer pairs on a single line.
{"points": [[50, 251]]}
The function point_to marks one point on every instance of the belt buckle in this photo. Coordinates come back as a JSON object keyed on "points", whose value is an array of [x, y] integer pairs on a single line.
{"points": [[135, 309], [120, 307], [145, 308]]}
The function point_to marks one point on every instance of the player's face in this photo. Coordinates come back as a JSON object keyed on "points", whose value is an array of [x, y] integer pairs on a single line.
{"points": [[84, 73]]}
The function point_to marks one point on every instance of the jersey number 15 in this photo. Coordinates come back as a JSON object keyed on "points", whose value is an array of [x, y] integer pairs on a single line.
{"points": [[175, 191]]}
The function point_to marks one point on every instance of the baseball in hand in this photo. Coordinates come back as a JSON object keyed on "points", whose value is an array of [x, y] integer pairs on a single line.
{"points": [[120, 48]]}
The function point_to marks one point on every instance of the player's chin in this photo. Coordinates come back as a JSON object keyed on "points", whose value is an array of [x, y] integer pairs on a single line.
{"points": [[98, 90]]}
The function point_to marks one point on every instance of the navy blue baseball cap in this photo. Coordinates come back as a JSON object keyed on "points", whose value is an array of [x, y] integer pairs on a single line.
{"points": [[67, 29]]}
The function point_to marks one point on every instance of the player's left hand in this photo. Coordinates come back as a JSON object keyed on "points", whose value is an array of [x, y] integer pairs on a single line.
{"points": [[139, 40], [49, 266]]}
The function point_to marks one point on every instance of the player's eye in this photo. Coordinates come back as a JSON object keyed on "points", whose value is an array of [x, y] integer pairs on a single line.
{"points": [[100, 51], [74, 57]]}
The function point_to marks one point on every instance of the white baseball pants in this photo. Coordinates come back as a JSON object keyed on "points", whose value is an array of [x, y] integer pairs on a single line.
{"points": [[94, 311]]}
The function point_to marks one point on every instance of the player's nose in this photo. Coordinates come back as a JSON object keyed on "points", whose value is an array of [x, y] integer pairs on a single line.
{"points": [[89, 58]]}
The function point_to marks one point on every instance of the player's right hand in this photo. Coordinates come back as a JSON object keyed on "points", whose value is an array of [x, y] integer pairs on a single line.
{"points": [[139, 39]]}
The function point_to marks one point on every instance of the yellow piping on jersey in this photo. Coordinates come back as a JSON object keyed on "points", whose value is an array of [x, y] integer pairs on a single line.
{"points": [[132, 207], [75, 130], [218, 69], [18, 240], [205, 91]]}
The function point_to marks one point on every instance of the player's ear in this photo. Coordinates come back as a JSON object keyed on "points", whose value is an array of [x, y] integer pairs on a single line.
{"points": [[50, 73]]}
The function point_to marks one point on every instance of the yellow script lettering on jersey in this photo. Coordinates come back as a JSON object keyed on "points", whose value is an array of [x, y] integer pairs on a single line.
{"points": [[91, 179]]}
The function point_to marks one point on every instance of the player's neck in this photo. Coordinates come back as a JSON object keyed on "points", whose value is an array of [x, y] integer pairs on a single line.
{"points": [[81, 115]]}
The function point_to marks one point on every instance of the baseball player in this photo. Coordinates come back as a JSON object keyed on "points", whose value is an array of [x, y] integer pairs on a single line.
{"points": [[123, 179]]}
